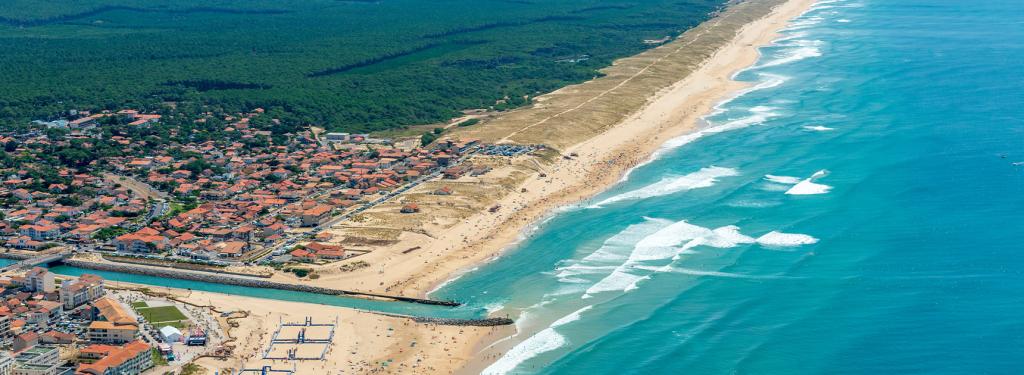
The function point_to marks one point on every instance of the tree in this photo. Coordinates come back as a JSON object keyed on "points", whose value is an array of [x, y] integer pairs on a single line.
{"points": [[68, 200], [108, 233], [427, 138]]}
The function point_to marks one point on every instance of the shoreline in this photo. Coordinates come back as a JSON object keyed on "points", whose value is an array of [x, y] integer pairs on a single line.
{"points": [[714, 88], [607, 159], [596, 133], [715, 79], [599, 161]]}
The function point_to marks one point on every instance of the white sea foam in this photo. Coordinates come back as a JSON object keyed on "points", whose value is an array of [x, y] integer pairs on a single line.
{"points": [[803, 22], [705, 177], [801, 50], [788, 180], [818, 128], [822, 5], [619, 280], [667, 243], [790, 36], [450, 280], [809, 187], [753, 203], [612, 253], [574, 316], [758, 115], [544, 341], [494, 306], [780, 239], [694, 272], [806, 187], [843, 20], [728, 236], [768, 81]]}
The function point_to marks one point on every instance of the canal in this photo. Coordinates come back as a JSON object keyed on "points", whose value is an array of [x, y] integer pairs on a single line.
{"points": [[390, 307]]}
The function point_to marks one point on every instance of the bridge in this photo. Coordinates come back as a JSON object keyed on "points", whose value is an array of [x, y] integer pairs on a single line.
{"points": [[41, 259]]}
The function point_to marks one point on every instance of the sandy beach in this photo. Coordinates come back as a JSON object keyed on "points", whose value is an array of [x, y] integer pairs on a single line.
{"points": [[541, 185], [364, 342], [596, 163], [687, 78]]}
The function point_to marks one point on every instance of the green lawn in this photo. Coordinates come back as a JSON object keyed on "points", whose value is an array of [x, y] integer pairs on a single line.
{"points": [[161, 314], [139, 305]]}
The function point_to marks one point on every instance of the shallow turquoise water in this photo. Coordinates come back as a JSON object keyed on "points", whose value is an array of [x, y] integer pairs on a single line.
{"points": [[460, 312], [903, 255]]}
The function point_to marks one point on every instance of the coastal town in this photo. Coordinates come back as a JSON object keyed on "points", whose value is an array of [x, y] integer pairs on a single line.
{"points": [[53, 325], [213, 203], [143, 239], [249, 204]]}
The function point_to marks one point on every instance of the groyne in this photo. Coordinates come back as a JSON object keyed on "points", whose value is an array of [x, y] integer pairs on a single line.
{"points": [[241, 281], [487, 322]]}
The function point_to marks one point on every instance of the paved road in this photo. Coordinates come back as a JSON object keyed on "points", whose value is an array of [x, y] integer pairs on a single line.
{"points": [[292, 239]]}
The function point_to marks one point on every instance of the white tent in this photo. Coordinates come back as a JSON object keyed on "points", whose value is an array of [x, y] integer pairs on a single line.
{"points": [[170, 334]]}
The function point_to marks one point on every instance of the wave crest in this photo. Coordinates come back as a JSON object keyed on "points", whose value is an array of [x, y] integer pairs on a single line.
{"points": [[705, 177]]}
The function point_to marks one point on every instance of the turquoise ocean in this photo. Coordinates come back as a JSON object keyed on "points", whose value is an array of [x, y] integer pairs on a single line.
{"points": [[858, 210]]}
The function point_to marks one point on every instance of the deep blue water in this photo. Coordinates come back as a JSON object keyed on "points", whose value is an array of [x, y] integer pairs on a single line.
{"points": [[905, 256]]}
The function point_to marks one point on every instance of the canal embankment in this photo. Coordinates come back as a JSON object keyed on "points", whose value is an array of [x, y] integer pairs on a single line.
{"points": [[243, 281]]}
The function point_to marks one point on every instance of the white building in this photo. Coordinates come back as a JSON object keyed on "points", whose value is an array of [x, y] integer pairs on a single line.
{"points": [[170, 334], [85, 289], [337, 137], [40, 280], [6, 363], [39, 360]]}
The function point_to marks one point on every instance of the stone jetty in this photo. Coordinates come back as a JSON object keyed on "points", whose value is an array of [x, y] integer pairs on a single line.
{"points": [[240, 281]]}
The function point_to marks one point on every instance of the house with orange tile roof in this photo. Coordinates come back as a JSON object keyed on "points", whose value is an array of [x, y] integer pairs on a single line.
{"points": [[145, 240], [316, 215], [130, 359], [325, 251], [40, 232], [114, 324], [301, 255], [25, 341], [230, 249]]}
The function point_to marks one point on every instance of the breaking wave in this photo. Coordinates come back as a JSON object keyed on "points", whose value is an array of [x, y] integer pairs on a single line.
{"points": [[818, 128], [809, 187], [780, 239], [787, 180], [801, 49], [544, 341], [574, 316], [705, 177], [612, 253], [668, 243], [766, 113]]}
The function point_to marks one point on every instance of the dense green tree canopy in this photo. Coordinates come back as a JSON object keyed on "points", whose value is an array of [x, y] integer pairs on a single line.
{"points": [[347, 65]]}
